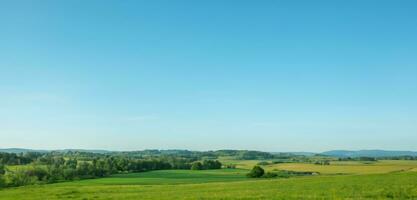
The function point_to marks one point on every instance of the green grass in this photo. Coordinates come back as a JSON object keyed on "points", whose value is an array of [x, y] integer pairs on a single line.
{"points": [[377, 180], [164, 177], [373, 186]]}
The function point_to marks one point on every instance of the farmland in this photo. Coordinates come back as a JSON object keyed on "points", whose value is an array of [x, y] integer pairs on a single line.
{"points": [[386, 179], [167, 177], [358, 168], [340, 167], [225, 185]]}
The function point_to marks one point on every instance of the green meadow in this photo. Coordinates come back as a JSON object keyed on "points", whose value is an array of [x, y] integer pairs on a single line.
{"points": [[340, 180], [166, 177]]}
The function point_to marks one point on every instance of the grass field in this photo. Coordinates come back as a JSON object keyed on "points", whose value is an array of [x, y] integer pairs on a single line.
{"points": [[165, 177], [380, 180], [373, 186]]}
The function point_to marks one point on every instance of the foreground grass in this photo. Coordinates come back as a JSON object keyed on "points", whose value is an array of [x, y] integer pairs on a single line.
{"points": [[374, 186]]}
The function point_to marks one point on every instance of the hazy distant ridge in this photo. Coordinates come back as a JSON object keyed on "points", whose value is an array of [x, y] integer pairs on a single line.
{"points": [[334, 153], [368, 153], [22, 150]]}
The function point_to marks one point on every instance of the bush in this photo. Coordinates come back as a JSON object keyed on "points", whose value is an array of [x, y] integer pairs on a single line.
{"points": [[283, 174], [287, 173], [2, 169], [325, 162], [230, 166], [55, 174], [2, 181], [212, 164], [264, 163], [70, 174], [256, 172], [40, 173], [197, 166], [270, 175], [20, 177]]}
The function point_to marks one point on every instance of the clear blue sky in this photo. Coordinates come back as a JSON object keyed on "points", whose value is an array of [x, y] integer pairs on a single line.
{"points": [[265, 75]]}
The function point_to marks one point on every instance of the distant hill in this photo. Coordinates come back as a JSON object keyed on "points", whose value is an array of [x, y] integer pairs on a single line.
{"points": [[299, 153], [22, 150], [368, 153], [333, 153], [85, 150]]}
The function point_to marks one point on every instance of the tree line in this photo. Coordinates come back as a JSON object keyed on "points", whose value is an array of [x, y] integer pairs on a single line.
{"points": [[206, 164], [51, 168]]}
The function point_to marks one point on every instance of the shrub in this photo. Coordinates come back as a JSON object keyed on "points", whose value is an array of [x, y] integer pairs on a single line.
{"points": [[230, 166], [20, 177], [256, 172], [270, 175], [287, 173], [70, 174], [38, 172], [2, 169], [263, 163], [2, 181], [197, 166], [212, 164]]}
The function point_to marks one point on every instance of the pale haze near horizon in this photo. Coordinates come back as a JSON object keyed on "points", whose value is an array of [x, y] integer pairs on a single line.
{"points": [[270, 75]]}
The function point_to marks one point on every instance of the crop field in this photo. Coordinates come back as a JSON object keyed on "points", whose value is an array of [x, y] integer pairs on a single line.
{"points": [[338, 167], [350, 168]]}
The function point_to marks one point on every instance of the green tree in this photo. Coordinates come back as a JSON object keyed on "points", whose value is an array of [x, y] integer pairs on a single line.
{"points": [[2, 181], [2, 169], [197, 166], [55, 173], [82, 169], [37, 171], [20, 177], [71, 163], [212, 164], [69, 174], [270, 175], [256, 172]]}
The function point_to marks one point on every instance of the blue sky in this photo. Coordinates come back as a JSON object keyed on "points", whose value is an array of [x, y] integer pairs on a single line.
{"points": [[264, 75]]}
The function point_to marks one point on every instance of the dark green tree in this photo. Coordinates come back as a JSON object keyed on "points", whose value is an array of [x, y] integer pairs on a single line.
{"points": [[2, 181], [212, 164], [82, 169], [2, 169], [71, 163], [40, 173], [256, 172], [270, 175], [69, 174], [19, 177], [197, 166]]}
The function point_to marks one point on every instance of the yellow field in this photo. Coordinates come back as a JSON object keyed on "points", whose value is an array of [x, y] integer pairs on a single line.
{"points": [[337, 167]]}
